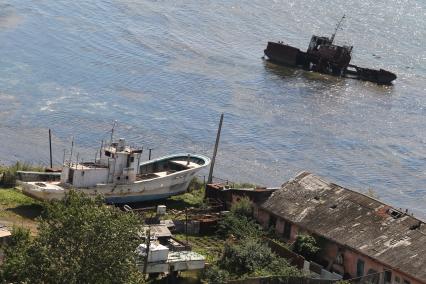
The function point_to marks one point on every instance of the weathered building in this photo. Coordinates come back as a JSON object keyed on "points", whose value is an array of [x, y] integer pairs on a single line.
{"points": [[227, 195], [359, 234]]}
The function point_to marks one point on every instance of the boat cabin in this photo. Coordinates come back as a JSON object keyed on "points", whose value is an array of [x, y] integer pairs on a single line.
{"points": [[118, 164]]}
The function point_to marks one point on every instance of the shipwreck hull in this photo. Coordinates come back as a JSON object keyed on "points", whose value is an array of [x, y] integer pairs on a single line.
{"points": [[285, 54], [381, 77], [332, 61]]}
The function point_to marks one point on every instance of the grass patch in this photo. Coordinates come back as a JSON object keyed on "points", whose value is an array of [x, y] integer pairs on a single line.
{"points": [[193, 198], [18, 209], [210, 246], [13, 197], [188, 199], [243, 185]]}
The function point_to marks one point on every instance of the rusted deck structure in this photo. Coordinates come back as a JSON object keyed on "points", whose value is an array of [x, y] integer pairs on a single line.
{"points": [[325, 57]]}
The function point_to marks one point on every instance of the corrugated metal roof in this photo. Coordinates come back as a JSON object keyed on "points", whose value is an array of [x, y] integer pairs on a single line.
{"points": [[353, 219]]}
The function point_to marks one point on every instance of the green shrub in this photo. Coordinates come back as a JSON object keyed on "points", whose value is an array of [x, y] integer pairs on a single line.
{"points": [[15, 254], [243, 185], [215, 275], [306, 246], [196, 185], [8, 173], [249, 257], [239, 227], [243, 207]]}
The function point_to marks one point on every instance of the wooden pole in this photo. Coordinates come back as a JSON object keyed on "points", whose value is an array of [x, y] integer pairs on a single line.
{"points": [[149, 155], [50, 148], [148, 242], [100, 150], [186, 225], [72, 147], [210, 179]]}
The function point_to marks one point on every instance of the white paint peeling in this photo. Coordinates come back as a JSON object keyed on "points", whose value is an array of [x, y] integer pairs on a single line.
{"points": [[363, 247], [396, 243], [303, 214]]}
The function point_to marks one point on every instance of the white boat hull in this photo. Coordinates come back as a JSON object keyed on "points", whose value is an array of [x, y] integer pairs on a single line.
{"points": [[141, 190]]}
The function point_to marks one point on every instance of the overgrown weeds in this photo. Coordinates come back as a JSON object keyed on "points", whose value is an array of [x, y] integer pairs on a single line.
{"points": [[194, 197], [245, 254], [8, 173]]}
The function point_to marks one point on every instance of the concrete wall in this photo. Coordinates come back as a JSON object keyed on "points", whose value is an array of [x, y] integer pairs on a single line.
{"points": [[37, 176]]}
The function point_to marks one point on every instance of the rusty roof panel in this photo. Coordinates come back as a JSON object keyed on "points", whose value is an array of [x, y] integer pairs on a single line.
{"points": [[353, 219]]}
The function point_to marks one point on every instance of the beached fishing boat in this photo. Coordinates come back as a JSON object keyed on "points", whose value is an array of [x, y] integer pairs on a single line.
{"points": [[119, 176]]}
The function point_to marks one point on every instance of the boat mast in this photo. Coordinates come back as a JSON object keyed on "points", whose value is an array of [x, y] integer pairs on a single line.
{"points": [[337, 28], [112, 130], [72, 146]]}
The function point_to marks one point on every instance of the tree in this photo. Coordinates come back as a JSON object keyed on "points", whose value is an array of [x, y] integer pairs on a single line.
{"points": [[79, 241], [306, 245]]}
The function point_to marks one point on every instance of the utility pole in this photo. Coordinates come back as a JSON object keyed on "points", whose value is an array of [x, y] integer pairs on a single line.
{"points": [[50, 148], [210, 179]]}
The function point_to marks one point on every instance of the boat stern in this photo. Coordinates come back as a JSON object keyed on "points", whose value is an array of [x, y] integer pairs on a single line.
{"points": [[43, 190]]}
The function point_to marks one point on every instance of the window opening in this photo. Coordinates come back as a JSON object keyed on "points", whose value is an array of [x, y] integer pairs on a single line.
{"points": [[287, 230], [272, 221], [360, 268], [388, 277]]}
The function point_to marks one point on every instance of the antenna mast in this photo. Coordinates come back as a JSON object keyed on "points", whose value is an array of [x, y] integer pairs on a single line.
{"points": [[72, 146], [337, 28], [112, 130]]}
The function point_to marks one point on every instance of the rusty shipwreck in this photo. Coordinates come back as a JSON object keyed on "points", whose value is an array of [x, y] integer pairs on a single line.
{"points": [[325, 57]]}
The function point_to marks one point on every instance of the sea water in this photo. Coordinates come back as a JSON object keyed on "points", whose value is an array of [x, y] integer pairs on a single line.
{"points": [[166, 70]]}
